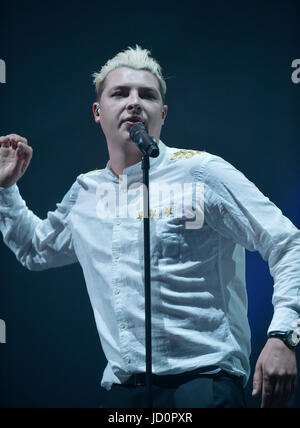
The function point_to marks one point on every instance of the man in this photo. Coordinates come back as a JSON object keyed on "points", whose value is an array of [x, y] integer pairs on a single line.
{"points": [[200, 332]]}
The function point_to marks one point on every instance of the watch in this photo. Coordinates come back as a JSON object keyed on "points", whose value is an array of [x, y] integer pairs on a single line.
{"points": [[291, 338]]}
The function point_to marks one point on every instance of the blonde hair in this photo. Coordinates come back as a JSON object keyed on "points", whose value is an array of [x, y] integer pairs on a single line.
{"points": [[136, 58]]}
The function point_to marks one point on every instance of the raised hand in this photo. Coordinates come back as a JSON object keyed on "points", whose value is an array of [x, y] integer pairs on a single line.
{"points": [[15, 156]]}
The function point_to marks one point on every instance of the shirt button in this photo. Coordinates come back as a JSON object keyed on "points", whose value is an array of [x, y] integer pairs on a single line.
{"points": [[118, 222], [116, 256], [128, 360], [117, 291], [122, 325]]}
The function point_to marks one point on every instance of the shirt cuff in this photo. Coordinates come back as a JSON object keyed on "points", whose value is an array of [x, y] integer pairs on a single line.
{"points": [[7, 189], [283, 320], [8, 195]]}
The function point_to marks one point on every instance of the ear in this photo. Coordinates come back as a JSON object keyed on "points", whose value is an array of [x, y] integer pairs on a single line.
{"points": [[96, 112], [164, 113]]}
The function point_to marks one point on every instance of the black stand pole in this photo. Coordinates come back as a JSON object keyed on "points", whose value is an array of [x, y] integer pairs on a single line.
{"points": [[147, 273], [149, 148]]}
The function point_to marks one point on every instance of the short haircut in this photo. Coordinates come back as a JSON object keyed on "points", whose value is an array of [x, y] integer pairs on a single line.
{"points": [[136, 58]]}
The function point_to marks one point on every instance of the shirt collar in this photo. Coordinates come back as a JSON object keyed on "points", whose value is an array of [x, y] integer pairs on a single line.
{"points": [[134, 172]]}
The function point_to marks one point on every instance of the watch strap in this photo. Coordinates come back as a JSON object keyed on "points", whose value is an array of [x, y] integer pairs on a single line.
{"points": [[286, 337]]}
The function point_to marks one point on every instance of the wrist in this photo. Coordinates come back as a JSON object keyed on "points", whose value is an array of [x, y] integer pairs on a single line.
{"points": [[290, 338], [8, 189]]}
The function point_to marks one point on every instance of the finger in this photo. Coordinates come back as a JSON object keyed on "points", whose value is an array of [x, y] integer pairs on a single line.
{"points": [[294, 384], [267, 392], [15, 139], [257, 381], [23, 160], [24, 151], [280, 392], [5, 141], [291, 387], [4, 138], [12, 139], [24, 147], [20, 152]]}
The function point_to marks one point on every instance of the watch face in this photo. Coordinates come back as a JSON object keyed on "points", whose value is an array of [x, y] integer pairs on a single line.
{"points": [[294, 338]]}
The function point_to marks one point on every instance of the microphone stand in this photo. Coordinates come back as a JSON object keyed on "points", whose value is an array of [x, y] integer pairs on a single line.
{"points": [[148, 147], [147, 277]]}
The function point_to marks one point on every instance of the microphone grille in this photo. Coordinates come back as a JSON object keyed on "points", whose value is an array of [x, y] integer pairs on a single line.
{"points": [[135, 130]]}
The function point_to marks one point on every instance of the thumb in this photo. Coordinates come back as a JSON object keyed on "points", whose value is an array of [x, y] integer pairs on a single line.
{"points": [[20, 157], [257, 381], [20, 151], [21, 162], [24, 155]]}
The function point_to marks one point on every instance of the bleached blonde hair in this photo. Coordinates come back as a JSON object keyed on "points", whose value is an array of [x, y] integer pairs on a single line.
{"points": [[136, 58]]}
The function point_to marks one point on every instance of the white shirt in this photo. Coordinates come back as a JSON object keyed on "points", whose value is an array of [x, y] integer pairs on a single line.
{"points": [[199, 300]]}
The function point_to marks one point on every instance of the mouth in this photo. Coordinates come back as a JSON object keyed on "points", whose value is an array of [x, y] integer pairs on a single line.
{"points": [[132, 120]]}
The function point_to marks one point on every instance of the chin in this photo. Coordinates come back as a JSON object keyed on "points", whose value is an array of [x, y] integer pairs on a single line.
{"points": [[126, 141]]}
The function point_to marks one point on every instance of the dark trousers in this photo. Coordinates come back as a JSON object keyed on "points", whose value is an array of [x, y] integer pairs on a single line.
{"points": [[220, 390]]}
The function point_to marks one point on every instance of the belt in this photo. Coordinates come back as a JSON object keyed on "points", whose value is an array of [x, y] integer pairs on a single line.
{"points": [[173, 380]]}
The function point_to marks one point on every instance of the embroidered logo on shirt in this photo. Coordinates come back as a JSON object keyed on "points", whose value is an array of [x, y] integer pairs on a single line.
{"points": [[168, 211], [140, 215], [185, 154]]}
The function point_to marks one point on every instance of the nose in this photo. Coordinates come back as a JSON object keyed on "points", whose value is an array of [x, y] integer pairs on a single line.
{"points": [[134, 104]]}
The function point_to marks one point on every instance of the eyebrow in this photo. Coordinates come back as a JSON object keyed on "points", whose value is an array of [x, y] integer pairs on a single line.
{"points": [[144, 88]]}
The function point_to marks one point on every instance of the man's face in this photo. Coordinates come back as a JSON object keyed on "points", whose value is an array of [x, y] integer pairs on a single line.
{"points": [[130, 96]]}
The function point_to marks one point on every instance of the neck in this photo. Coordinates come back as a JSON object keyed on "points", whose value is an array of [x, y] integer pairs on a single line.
{"points": [[123, 156]]}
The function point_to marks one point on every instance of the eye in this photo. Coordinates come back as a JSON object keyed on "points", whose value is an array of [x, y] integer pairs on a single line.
{"points": [[148, 95]]}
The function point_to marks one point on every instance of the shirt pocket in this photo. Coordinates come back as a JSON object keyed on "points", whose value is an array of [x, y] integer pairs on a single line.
{"points": [[167, 238]]}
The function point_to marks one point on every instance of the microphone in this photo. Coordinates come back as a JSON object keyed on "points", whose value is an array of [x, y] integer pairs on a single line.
{"points": [[146, 144]]}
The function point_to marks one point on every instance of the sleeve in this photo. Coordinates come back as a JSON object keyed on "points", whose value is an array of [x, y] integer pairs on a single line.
{"points": [[238, 210], [38, 244]]}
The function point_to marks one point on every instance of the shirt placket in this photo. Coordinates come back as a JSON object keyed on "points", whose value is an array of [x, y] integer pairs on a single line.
{"points": [[119, 286]]}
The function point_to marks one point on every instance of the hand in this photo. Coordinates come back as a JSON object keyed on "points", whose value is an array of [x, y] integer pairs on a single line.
{"points": [[275, 374], [15, 156]]}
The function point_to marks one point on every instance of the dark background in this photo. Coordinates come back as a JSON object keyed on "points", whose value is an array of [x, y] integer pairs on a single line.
{"points": [[228, 69]]}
